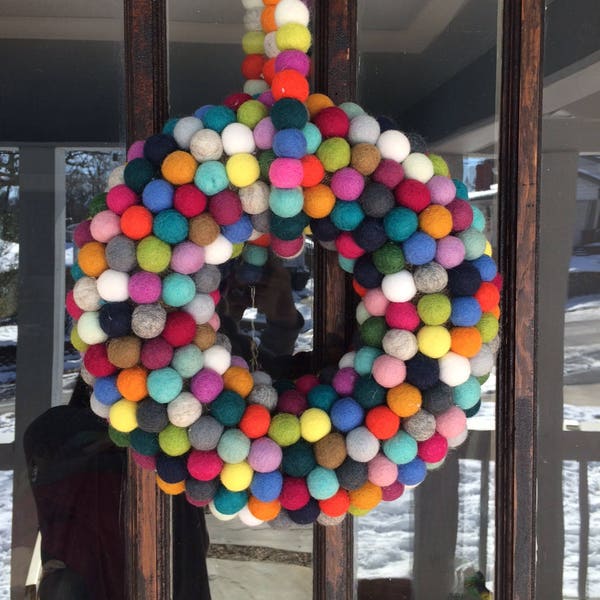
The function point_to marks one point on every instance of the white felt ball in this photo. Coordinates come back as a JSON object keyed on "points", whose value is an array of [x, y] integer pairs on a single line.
{"points": [[328, 521], [202, 308], [361, 445], [255, 235], [400, 343], [113, 286], [247, 518], [237, 138], [102, 410], [418, 166], [255, 197], [219, 251], [271, 47], [87, 376], [185, 129], [206, 145], [347, 360], [457, 440], [454, 369], [399, 287], [219, 515], [89, 330], [116, 177], [362, 314], [85, 294], [217, 358], [261, 378], [252, 19], [291, 11], [494, 344], [364, 129], [393, 144], [255, 87], [434, 466], [483, 362], [184, 410], [251, 4]]}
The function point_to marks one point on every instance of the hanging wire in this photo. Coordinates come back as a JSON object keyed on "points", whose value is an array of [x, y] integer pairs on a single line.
{"points": [[254, 364]]}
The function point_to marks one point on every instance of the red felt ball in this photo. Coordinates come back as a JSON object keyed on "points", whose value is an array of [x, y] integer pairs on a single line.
{"points": [[136, 222], [498, 281], [252, 66], [96, 361], [337, 505], [389, 172], [82, 234], [74, 311], [189, 200], [402, 315], [225, 207], [347, 247], [120, 198], [382, 422], [216, 296], [264, 241], [289, 84], [434, 449], [204, 465], [180, 329], [313, 170], [234, 101], [268, 70], [413, 194], [294, 493], [392, 492], [359, 289], [287, 248], [488, 296], [293, 402], [462, 214], [255, 421], [306, 383], [332, 122]]}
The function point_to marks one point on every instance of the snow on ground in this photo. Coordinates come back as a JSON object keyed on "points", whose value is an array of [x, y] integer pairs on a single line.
{"points": [[585, 264]]}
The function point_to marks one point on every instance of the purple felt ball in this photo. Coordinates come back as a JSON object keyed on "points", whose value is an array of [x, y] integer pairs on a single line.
{"points": [[450, 252], [442, 190], [144, 287], [206, 385], [344, 381], [265, 455], [264, 132], [82, 234], [187, 258], [389, 172], [136, 150], [292, 59], [267, 98], [292, 401], [347, 184], [392, 492], [286, 173]]}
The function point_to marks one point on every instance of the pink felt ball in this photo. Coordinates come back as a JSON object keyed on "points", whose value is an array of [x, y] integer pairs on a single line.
{"points": [[306, 383], [216, 296], [332, 122], [265, 455], [156, 353], [293, 402], [294, 493], [215, 322], [382, 471], [286, 173], [442, 189], [144, 287], [375, 302], [347, 247], [238, 361], [287, 248], [82, 234], [389, 172], [74, 311], [388, 371], [147, 463], [120, 198], [462, 214], [344, 381], [206, 385], [189, 200], [402, 315], [264, 132], [105, 226], [197, 503], [392, 492], [292, 59], [136, 150], [204, 465], [451, 423], [267, 98], [434, 449], [225, 207], [347, 184], [450, 252], [187, 258]]}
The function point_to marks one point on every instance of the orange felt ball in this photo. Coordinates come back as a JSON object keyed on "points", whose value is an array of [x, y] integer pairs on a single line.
{"points": [[366, 497], [238, 380], [92, 259], [173, 489], [179, 167], [404, 400], [270, 2], [255, 422], [252, 66], [495, 311], [337, 505], [131, 383], [488, 296], [289, 84], [313, 170], [265, 511], [382, 422], [465, 341], [264, 241], [317, 102], [319, 201], [267, 19], [359, 289], [268, 70], [436, 220], [136, 222]]}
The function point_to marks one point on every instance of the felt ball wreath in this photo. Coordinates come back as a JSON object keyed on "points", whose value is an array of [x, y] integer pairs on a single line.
{"points": [[234, 182]]}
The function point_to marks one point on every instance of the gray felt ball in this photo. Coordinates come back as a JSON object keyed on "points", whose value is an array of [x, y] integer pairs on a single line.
{"points": [[483, 362], [377, 200], [86, 295], [261, 222], [152, 416], [282, 521], [148, 320], [417, 142], [120, 254], [223, 340], [201, 491], [352, 474], [430, 278], [438, 399], [205, 433], [494, 344], [420, 426], [265, 395], [207, 279]]}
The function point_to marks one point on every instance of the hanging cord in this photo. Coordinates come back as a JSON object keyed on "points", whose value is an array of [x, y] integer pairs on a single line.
{"points": [[254, 363]]}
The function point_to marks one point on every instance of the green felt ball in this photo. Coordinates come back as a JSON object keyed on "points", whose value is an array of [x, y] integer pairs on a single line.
{"points": [[389, 258], [474, 242], [255, 255], [174, 440], [153, 254], [144, 442], [178, 289], [187, 360], [434, 309], [439, 165], [364, 359], [286, 202], [97, 204], [334, 153], [228, 408], [368, 393], [288, 228], [372, 331], [139, 172], [118, 438], [488, 327], [298, 459], [483, 378], [284, 429], [251, 112], [264, 161]]}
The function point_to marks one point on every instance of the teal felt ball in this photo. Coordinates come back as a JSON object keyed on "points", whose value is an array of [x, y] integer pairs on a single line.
{"points": [[478, 219], [322, 483], [461, 189], [218, 117], [364, 359], [178, 289], [228, 408], [255, 255], [347, 216], [368, 393], [400, 223], [233, 447], [164, 385], [313, 137], [187, 360], [228, 502], [298, 459], [467, 394], [169, 126], [211, 177], [347, 264], [286, 202], [322, 396], [170, 226], [400, 449], [289, 113], [474, 242], [144, 442], [138, 173], [289, 228]]}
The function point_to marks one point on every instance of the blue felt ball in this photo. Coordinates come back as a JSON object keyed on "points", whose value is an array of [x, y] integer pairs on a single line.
{"points": [[322, 396], [239, 231], [157, 147], [364, 359], [322, 483], [346, 414], [370, 234], [412, 473], [347, 264], [289, 143], [158, 195], [286, 202], [200, 112], [471, 412], [346, 216], [178, 289], [307, 514], [400, 449], [76, 272], [228, 408], [217, 118], [298, 460], [170, 226], [466, 312], [169, 126], [467, 394], [171, 469], [422, 371], [461, 189], [464, 280], [266, 487], [164, 385], [229, 503], [324, 230], [249, 274], [419, 248], [400, 223], [313, 137], [211, 177], [115, 318], [105, 389], [368, 393], [486, 266], [366, 273]]}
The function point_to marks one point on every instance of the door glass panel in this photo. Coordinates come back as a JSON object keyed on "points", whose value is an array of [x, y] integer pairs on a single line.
{"points": [[430, 68]]}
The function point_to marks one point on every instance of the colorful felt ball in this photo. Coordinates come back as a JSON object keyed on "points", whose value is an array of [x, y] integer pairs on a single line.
{"points": [[334, 154], [388, 371], [289, 84], [285, 429], [242, 169], [234, 446], [265, 455]]}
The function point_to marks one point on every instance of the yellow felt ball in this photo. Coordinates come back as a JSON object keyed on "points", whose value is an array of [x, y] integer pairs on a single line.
{"points": [[122, 415], [488, 248], [253, 42], [293, 36], [315, 424], [77, 342], [242, 169], [237, 249], [237, 477], [173, 489], [179, 167], [315, 103], [358, 512], [434, 341]]}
